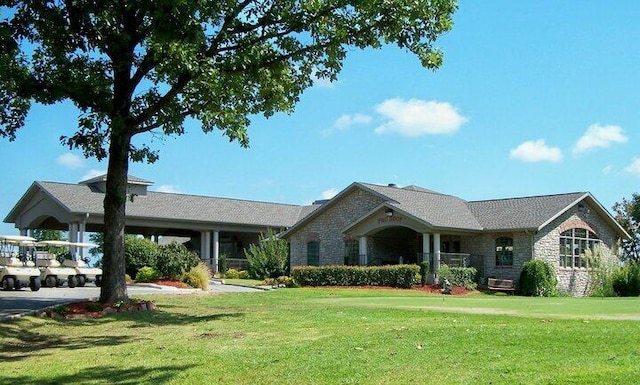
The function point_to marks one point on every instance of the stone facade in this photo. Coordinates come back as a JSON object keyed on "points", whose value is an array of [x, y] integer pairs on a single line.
{"points": [[484, 245], [573, 281], [327, 228]]}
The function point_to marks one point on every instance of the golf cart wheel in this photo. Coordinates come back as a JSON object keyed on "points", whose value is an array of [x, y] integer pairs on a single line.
{"points": [[34, 283], [81, 280], [72, 281], [8, 283], [98, 280], [50, 281]]}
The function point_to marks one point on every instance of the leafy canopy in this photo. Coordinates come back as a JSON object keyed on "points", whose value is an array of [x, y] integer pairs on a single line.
{"points": [[627, 213], [147, 65]]}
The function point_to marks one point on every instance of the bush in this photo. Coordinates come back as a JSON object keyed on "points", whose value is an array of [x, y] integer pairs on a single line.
{"points": [[538, 278], [232, 274], [459, 276], [175, 259], [222, 264], [286, 281], [243, 274], [626, 280], [601, 273], [404, 276], [139, 252], [269, 258], [424, 272], [199, 276], [147, 274]]}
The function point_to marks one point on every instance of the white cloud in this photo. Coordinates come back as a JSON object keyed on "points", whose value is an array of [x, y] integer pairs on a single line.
{"points": [[607, 170], [70, 160], [168, 188], [347, 121], [598, 136], [634, 167], [414, 117], [93, 173], [536, 151], [330, 193]]}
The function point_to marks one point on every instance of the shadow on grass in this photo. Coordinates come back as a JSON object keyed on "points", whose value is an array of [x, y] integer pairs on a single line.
{"points": [[159, 318], [105, 375], [18, 343]]}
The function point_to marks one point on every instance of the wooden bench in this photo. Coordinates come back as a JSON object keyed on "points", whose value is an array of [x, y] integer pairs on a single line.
{"points": [[495, 284]]}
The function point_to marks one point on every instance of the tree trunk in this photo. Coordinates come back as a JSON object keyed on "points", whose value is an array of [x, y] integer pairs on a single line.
{"points": [[114, 286]]}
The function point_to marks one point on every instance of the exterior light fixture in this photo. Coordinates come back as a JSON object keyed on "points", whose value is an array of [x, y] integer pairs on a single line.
{"points": [[388, 212]]}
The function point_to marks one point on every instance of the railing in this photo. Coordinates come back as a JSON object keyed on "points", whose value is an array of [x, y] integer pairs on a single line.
{"points": [[237, 263], [450, 259]]}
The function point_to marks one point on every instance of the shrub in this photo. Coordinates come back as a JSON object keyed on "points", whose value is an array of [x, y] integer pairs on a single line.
{"points": [[139, 252], [243, 274], [459, 276], [424, 272], [199, 276], [395, 276], [286, 281], [232, 274], [222, 264], [147, 274], [626, 280], [601, 273], [175, 259], [538, 278], [268, 258]]}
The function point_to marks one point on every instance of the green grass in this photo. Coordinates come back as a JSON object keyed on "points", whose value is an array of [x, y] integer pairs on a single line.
{"points": [[244, 282], [334, 336]]}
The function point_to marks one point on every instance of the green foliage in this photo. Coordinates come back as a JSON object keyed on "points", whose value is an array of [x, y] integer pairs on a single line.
{"points": [[459, 276], [404, 276], [243, 274], [199, 276], [222, 263], [232, 274], [175, 259], [268, 258], [147, 274], [626, 280], [139, 252], [538, 278], [424, 272], [627, 213]]}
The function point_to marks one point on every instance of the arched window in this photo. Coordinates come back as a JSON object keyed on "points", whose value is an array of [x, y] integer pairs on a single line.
{"points": [[313, 253], [573, 244], [504, 251]]}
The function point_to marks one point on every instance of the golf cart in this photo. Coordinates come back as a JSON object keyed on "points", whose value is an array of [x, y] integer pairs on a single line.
{"points": [[16, 270], [83, 273], [52, 273]]}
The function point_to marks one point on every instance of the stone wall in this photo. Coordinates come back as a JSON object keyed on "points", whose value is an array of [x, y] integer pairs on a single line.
{"points": [[484, 245], [327, 228], [573, 281]]}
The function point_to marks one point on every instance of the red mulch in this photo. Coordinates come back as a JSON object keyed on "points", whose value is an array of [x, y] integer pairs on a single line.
{"points": [[172, 282]]}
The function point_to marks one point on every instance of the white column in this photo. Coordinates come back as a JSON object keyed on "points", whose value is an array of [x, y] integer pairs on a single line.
{"points": [[362, 250], [73, 237], [216, 250], [81, 230], [205, 245], [436, 249], [426, 245]]}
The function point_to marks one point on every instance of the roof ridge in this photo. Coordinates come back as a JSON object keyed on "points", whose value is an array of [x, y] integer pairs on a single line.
{"points": [[229, 199], [420, 190], [529, 197]]}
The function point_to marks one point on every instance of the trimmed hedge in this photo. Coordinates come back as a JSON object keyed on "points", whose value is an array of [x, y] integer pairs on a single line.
{"points": [[459, 276], [404, 276]]}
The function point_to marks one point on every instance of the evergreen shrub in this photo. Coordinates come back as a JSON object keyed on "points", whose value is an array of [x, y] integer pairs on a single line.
{"points": [[404, 276], [538, 279]]}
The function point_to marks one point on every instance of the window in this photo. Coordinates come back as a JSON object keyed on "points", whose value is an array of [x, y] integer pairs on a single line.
{"points": [[313, 253], [573, 244], [351, 252], [504, 251]]}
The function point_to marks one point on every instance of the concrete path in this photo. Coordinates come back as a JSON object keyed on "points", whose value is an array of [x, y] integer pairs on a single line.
{"points": [[16, 302]]}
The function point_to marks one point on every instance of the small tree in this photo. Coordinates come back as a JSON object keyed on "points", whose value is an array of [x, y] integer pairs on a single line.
{"points": [[538, 279], [140, 252], [269, 258], [627, 214]]}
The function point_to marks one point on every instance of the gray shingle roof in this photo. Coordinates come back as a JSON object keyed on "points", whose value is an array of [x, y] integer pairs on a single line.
{"points": [[130, 179], [78, 198], [439, 210], [521, 213]]}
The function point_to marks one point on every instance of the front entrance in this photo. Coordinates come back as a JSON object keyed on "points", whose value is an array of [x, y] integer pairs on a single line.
{"points": [[394, 245]]}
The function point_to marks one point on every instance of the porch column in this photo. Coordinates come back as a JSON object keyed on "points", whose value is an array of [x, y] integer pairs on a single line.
{"points": [[216, 251], [205, 245], [81, 230], [73, 237], [436, 250], [426, 246], [362, 251]]}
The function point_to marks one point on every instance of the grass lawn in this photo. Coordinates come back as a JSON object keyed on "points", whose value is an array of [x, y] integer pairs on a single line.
{"points": [[334, 336]]}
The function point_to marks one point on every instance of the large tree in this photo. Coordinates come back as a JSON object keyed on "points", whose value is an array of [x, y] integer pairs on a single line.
{"points": [[627, 214], [133, 67]]}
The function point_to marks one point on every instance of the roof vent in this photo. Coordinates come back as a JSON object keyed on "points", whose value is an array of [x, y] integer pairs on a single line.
{"points": [[392, 185]]}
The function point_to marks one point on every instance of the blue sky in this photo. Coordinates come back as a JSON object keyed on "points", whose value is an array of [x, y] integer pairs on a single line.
{"points": [[533, 98]]}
